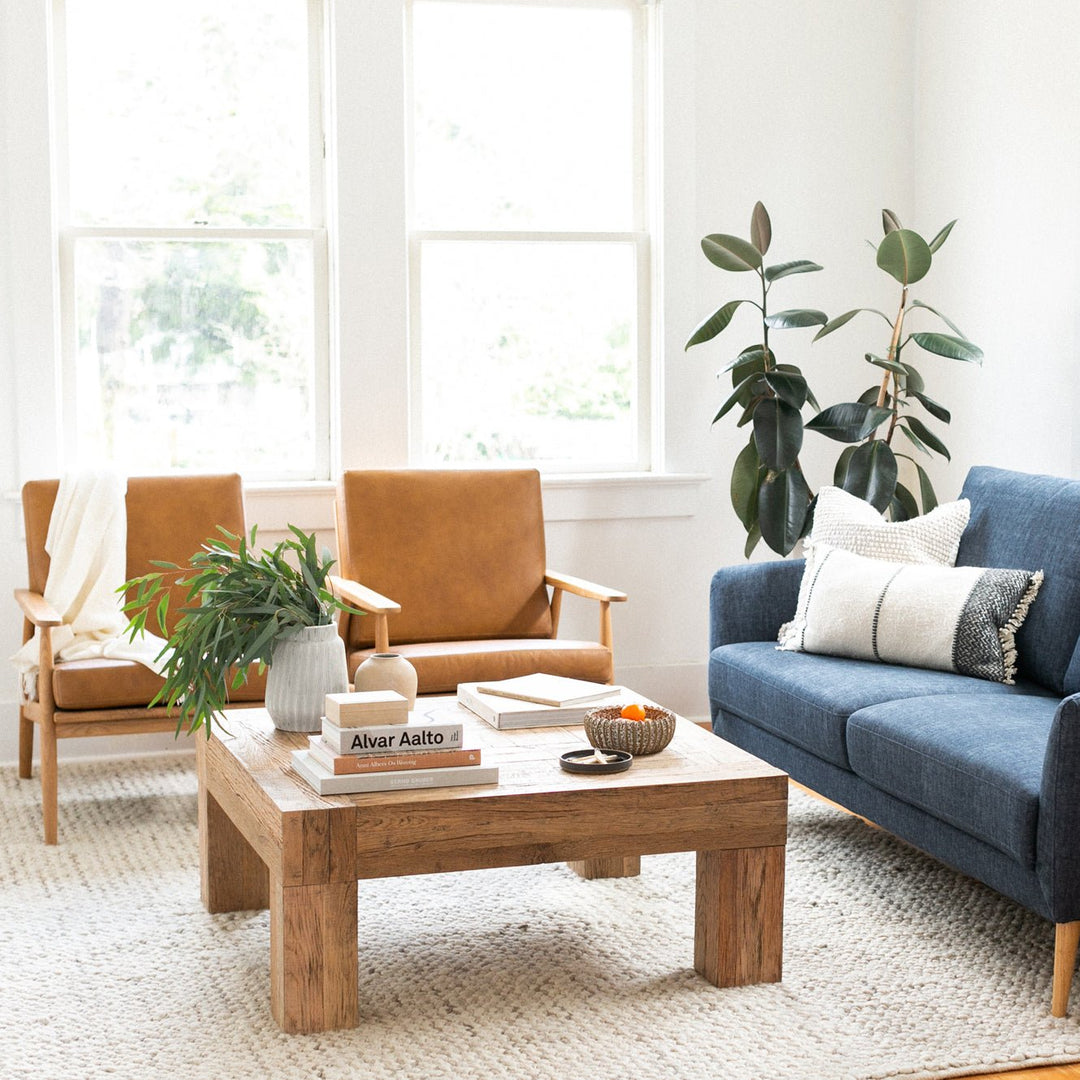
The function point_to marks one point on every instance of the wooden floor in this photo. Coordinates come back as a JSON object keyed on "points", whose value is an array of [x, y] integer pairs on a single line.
{"points": [[1046, 1072]]}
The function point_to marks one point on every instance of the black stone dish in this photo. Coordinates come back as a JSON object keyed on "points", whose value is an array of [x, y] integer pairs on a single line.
{"points": [[572, 761]]}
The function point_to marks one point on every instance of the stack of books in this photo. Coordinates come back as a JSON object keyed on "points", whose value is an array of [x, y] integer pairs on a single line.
{"points": [[369, 743], [537, 700]]}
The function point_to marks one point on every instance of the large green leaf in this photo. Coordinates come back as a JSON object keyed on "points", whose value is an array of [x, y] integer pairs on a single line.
{"points": [[783, 502], [903, 505], [753, 538], [872, 473], [942, 236], [797, 266], [926, 489], [788, 386], [954, 348], [905, 255], [795, 317], [913, 381], [944, 318], [809, 393], [731, 252], [752, 354], [760, 228], [939, 412], [840, 320], [890, 222], [715, 323], [848, 422], [926, 435], [744, 484], [737, 394], [778, 433], [915, 441]]}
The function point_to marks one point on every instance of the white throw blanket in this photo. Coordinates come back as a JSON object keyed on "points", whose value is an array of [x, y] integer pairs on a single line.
{"points": [[87, 548]]}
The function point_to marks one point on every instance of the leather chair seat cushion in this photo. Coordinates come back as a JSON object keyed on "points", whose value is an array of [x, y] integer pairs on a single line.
{"points": [[80, 685], [441, 665]]}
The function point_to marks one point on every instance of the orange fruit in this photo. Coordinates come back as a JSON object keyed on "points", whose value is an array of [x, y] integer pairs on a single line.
{"points": [[633, 712]]}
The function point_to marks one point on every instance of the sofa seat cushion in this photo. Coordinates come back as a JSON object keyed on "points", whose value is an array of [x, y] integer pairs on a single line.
{"points": [[119, 684], [975, 761], [807, 699], [441, 665]]}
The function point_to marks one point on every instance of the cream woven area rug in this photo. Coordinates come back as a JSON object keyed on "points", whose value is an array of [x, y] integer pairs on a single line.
{"points": [[110, 967]]}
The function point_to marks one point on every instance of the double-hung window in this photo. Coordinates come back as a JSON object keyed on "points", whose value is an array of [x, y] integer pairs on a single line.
{"points": [[193, 252], [529, 249]]}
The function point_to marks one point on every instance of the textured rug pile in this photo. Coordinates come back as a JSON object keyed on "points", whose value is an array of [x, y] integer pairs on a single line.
{"points": [[110, 968]]}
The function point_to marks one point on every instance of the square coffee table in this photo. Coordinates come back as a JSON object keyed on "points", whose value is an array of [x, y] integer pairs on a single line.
{"points": [[267, 840]]}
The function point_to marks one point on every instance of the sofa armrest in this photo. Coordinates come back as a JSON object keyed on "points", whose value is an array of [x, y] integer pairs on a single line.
{"points": [[750, 602], [1058, 855]]}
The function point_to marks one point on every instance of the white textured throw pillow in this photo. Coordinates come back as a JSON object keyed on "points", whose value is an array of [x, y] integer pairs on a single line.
{"points": [[845, 521], [950, 618]]}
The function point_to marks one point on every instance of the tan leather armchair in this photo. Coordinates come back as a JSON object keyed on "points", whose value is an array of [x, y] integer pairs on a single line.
{"points": [[451, 567], [168, 518]]}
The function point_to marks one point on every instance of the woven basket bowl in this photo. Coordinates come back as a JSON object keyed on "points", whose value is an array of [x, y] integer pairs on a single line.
{"points": [[609, 731]]}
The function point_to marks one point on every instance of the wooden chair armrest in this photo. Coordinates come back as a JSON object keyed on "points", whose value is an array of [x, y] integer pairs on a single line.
{"points": [[362, 597], [37, 609], [580, 587]]}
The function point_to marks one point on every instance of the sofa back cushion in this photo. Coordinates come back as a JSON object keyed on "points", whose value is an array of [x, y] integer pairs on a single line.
{"points": [[1033, 522]]}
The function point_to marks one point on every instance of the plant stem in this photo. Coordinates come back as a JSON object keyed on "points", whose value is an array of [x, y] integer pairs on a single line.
{"points": [[764, 315], [898, 327]]}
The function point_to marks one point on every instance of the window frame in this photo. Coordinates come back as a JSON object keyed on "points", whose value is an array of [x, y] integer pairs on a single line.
{"points": [[643, 237], [316, 233]]}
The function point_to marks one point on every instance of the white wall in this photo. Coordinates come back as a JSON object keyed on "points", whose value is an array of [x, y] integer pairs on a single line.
{"points": [[803, 104], [996, 147]]}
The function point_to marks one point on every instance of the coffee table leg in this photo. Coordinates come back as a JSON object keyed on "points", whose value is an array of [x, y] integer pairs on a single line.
{"points": [[612, 866], [739, 916], [234, 878]]}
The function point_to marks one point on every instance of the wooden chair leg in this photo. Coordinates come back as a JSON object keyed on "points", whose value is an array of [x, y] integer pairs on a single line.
{"points": [[1066, 940], [49, 799], [26, 745]]}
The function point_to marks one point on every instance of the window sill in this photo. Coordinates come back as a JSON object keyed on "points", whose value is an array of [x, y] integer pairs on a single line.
{"points": [[581, 497]]}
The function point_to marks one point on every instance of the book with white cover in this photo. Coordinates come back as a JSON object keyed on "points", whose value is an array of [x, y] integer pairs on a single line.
{"points": [[555, 690], [326, 783], [392, 738], [506, 713]]}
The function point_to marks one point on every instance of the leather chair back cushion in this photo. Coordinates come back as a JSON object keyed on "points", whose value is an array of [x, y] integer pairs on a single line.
{"points": [[168, 518], [462, 552]]}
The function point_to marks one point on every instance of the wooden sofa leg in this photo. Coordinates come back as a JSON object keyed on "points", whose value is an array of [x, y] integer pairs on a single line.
{"points": [[26, 745], [48, 780], [1066, 940]]}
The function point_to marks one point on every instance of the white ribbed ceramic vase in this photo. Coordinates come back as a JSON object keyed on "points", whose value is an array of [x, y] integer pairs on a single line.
{"points": [[307, 665], [387, 671]]}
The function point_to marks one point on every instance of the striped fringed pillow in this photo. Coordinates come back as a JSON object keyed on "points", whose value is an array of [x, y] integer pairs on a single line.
{"points": [[951, 618]]}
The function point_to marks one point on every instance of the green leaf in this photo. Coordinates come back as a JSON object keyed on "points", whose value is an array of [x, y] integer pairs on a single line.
{"points": [[944, 318], [730, 252], [788, 386], [926, 490], [888, 365], [903, 506], [870, 395], [954, 348], [734, 399], [778, 433], [905, 255], [939, 412], [942, 236], [840, 320], [783, 503], [797, 266], [913, 381], [744, 484], [795, 317], [760, 228], [753, 538], [872, 472], [916, 441], [754, 354], [921, 431], [889, 222], [848, 422], [841, 467], [714, 324]]}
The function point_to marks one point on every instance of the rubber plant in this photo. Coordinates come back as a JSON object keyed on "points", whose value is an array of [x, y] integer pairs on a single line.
{"points": [[238, 605], [869, 467], [769, 492]]}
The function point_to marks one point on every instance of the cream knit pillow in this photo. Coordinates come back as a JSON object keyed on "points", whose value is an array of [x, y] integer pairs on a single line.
{"points": [[842, 520]]}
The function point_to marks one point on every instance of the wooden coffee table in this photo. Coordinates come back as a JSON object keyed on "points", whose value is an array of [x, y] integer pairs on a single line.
{"points": [[266, 839]]}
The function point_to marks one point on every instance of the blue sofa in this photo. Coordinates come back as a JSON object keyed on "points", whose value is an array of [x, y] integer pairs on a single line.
{"points": [[983, 776]]}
